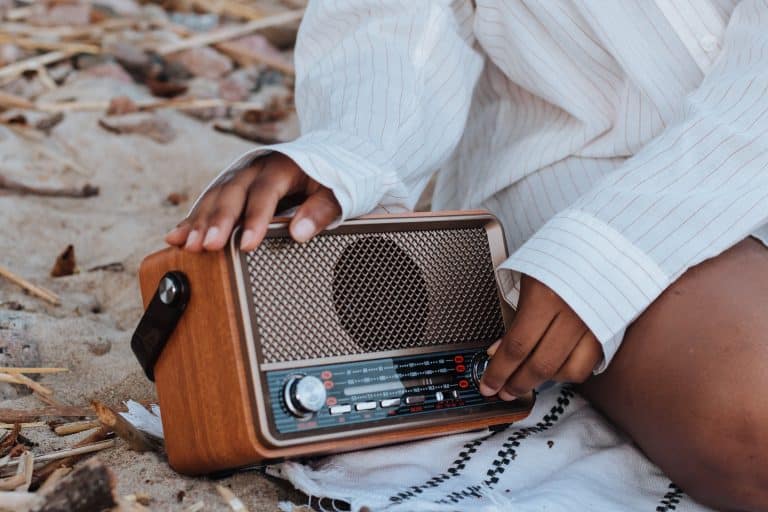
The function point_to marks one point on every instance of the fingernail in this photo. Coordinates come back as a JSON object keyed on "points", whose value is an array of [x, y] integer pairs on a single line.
{"points": [[211, 235], [303, 230], [247, 239], [171, 235], [506, 396], [192, 238], [485, 390], [492, 349]]}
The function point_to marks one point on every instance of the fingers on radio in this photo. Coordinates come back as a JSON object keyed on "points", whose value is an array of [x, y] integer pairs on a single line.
{"points": [[520, 362], [264, 192], [253, 194], [318, 211], [512, 351], [581, 363], [211, 222], [549, 354]]}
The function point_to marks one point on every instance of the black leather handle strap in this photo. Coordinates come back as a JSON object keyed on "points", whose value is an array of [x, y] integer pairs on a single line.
{"points": [[160, 319]]}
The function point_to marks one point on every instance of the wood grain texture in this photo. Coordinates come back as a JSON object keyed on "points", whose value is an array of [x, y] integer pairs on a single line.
{"points": [[201, 375], [203, 378]]}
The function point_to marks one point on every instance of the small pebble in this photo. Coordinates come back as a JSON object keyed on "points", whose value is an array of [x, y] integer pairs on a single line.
{"points": [[99, 347]]}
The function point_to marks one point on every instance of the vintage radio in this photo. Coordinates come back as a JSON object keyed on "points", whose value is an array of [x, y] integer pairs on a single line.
{"points": [[371, 333]]}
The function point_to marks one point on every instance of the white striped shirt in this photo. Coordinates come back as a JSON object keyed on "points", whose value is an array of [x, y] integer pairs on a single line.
{"points": [[619, 142]]}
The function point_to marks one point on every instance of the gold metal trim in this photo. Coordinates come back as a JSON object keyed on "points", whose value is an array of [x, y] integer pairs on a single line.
{"points": [[413, 220], [250, 344], [499, 253]]}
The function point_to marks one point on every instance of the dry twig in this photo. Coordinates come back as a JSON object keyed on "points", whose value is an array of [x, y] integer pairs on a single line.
{"points": [[41, 474], [11, 71], [70, 452], [75, 427], [245, 58], [233, 501], [13, 500], [115, 266], [227, 33], [15, 370], [28, 415], [12, 101], [33, 424], [136, 440], [25, 469], [30, 43], [55, 476], [35, 290], [10, 483], [44, 393], [86, 190], [9, 440], [90, 32], [236, 9]]}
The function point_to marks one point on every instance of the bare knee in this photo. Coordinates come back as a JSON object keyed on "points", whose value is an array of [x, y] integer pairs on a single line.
{"points": [[687, 384], [723, 465]]}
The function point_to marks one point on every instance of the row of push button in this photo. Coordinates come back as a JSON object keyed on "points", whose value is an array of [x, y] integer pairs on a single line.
{"points": [[391, 402], [363, 406]]}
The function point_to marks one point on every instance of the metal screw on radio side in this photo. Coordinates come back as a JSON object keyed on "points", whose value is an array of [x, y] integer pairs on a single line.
{"points": [[168, 290]]}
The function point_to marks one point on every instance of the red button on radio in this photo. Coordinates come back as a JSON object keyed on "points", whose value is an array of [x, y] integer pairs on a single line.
{"points": [[463, 383], [460, 368], [325, 375], [330, 401], [328, 384], [458, 359]]}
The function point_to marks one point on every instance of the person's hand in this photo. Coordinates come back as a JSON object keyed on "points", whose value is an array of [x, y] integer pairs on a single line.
{"points": [[253, 194], [547, 341]]}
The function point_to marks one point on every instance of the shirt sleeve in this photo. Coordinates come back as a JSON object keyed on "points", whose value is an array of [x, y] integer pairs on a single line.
{"points": [[696, 190], [383, 89]]}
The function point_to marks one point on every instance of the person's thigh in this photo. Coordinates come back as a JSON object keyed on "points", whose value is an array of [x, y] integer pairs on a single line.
{"points": [[690, 382]]}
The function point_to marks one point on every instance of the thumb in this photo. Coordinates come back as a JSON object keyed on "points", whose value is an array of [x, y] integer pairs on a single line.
{"points": [[318, 211]]}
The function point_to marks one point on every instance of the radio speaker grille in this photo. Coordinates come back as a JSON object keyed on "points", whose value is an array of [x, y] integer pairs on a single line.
{"points": [[353, 293]]}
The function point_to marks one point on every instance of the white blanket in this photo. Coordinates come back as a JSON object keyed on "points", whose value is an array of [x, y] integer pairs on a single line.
{"points": [[564, 457]]}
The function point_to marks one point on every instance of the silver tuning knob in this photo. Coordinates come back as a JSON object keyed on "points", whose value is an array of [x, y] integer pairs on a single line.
{"points": [[304, 395], [479, 364]]}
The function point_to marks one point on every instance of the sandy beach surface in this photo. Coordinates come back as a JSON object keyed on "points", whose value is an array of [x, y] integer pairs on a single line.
{"points": [[89, 333]]}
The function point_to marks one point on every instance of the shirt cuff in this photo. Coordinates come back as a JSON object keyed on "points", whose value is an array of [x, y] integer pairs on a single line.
{"points": [[341, 162], [606, 279]]}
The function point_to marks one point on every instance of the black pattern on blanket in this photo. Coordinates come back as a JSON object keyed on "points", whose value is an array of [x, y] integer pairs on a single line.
{"points": [[671, 499], [506, 455]]}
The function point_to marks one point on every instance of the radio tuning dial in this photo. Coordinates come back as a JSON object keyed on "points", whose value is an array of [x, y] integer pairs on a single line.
{"points": [[479, 364], [304, 395]]}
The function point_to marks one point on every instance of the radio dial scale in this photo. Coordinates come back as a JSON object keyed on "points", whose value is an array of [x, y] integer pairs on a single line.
{"points": [[378, 391]]}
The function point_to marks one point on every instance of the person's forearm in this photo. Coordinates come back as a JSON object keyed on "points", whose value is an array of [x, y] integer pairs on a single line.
{"points": [[383, 91], [694, 191]]}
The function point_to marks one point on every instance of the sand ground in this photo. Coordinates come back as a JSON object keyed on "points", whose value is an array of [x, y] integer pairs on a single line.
{"points": [[90, 332]]}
